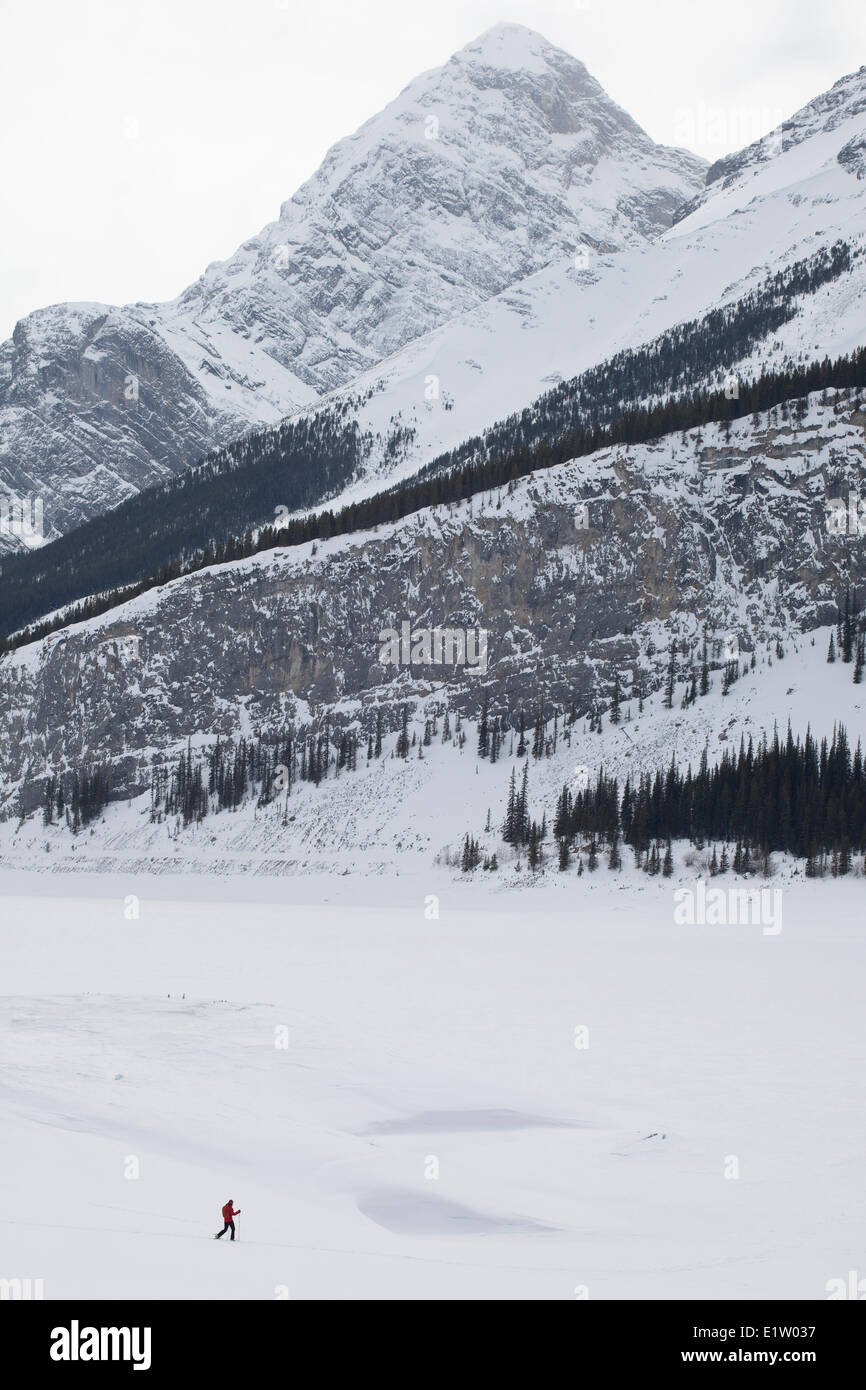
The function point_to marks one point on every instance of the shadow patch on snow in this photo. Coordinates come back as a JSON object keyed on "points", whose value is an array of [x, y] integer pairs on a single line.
{"points": [[465, 1122], [419, 1214]]}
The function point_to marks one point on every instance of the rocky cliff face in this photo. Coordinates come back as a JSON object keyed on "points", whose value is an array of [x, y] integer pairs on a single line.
{"points": [[477, 175], [580, 570], [96, 407]]}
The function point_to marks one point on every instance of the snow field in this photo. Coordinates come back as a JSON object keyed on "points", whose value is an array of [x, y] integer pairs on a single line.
{"points": [[431, 1129]]}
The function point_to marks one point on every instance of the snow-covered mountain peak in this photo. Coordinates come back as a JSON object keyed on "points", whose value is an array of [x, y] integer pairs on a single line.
{"points": [[477, 175], [508, 125], [506, 45], [513, 47]]}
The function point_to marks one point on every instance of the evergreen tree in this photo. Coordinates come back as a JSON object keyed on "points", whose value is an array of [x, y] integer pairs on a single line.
{"points": [[495, 740], [847, 627], [705, 668], [534, 850], [521, 814], [615, 698], [845, 856], [538, 735], [671, 678], [521, 746], [403, 739], [668, 865], [509, 827], [483, 744]]}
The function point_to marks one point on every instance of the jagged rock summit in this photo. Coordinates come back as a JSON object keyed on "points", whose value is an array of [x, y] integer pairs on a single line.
{"points": [[478, 174]]}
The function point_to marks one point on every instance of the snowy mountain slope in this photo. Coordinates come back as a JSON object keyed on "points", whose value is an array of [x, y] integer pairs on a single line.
{"points": [[796, 149], [128, 1117], [478, 174], [783, 199], [394, 817], [731, 527]]}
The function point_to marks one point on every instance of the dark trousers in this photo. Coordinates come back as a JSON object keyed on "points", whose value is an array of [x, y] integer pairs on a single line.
{"points": [[229, 1226]]}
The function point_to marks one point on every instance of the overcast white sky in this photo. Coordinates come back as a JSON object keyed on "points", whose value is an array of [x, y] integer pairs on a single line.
{"points": [[142, 139]]}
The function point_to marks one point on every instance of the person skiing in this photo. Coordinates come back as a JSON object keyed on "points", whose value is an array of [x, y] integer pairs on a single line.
{"points": [[228, 1212]]}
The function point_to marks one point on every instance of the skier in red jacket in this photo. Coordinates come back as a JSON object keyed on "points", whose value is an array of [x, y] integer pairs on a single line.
{"points": [[228, 1212]]}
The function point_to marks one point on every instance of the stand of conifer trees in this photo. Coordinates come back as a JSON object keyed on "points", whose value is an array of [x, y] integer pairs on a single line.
{"points": [[799, 796]]}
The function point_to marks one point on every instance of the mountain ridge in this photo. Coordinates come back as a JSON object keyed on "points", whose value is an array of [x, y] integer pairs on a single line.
{"points": [[475, 176]]}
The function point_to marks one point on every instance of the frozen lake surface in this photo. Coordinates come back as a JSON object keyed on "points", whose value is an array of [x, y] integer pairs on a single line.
{"points": [[537, 1093]]}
